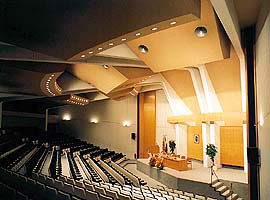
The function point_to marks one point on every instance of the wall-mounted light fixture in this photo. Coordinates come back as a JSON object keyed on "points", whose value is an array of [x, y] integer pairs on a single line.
{"points": [[126, 123], [66, 117], [200, 31], [94, 120]]}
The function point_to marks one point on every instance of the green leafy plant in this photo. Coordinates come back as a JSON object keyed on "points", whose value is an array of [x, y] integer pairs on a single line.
{"points": [[211, 152], [172, 145]]}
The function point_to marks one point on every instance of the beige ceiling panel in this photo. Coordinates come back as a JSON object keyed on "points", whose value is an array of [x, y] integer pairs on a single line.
{"points": [[179, 47], [103, 79], [132, 72], [225, 77], [181, 82]]}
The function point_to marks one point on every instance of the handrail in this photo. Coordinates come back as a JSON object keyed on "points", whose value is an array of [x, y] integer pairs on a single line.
{"points": [[11, 151], [98, 170], [130, 176], [213, 173], [24, 159], [113, 173], [84, 167]]}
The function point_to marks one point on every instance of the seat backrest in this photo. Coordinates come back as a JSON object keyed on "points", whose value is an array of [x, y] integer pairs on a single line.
{"points": [[100, 190], [156, 194], [79, 184], [51, 192], [58, 184], [91, 195], [188, 194], [21, 196], [61, 195], [50, 181], [70, 181], [168, 196], [89, 187], [104, 197], [79, 192], [112, 194], [200, 197], [68, 188], [75, 198], [173, 194], [63, 178], [124, 197], [178, 192]]}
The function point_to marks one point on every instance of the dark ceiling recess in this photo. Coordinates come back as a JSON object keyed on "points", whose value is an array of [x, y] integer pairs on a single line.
{"points": [[64, 28]]}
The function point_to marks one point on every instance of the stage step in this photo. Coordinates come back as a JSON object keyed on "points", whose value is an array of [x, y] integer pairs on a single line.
{"points": [[227, 193], [214, 182], [233, 197], [217, 185], [222, 189]]}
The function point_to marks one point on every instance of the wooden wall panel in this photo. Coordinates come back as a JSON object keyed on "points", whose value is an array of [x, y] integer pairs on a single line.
{"points": [[231, 145], [147, 125], [194, 150]]}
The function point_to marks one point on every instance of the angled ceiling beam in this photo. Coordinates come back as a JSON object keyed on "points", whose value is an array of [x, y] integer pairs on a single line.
{"points": [[226, 12]]}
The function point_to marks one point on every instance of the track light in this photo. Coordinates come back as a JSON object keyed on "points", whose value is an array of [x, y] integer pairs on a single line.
{"points": [[143, 49], [200, 31]]}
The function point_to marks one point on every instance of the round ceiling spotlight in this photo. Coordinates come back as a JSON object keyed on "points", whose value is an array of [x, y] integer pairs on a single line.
{"points": [[143, 49], [200, 31]]}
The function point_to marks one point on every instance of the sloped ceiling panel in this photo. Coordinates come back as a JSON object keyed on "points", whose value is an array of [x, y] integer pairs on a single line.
{"points": [[103, 79], [225, 77], [132, 72], [179, 47], [182, 83]]}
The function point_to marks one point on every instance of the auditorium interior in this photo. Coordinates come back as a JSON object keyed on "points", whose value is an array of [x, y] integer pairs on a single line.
{"points": [[133, 99]]}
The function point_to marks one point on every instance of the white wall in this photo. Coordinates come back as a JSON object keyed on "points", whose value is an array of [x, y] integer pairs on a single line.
{"points": [[263, 96], [109, 131], [163, 111]]}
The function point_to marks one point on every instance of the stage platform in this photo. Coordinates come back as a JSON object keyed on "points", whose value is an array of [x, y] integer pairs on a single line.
{"points": [[197, 179]]}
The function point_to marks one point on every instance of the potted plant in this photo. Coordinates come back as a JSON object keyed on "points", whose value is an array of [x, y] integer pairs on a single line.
{"points": [[172, 146], [211, 152]]}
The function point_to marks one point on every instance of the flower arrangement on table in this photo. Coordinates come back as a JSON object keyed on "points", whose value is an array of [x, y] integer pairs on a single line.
{"points": [[159, 163], [156, 161], [152, 160]]}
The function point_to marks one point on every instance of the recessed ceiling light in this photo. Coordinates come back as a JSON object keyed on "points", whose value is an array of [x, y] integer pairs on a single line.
{"points": [[138, 34], [106, 66], [200, 31], [100, 48], [123, 39], [172, 23], [90, 52], [143, 49], [82, 56], [111, 44], [154, 29]]}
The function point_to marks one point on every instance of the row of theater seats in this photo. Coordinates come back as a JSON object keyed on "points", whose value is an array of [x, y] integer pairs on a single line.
{"points": [[94, 176], [74, 170], [141, 181], [55, 168], [60, 187], [12, 159], [116, 191], [46, 188]]}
